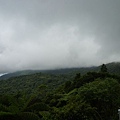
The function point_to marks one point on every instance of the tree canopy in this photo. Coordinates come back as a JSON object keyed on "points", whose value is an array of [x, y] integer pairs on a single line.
{"points": [[93, 96]]}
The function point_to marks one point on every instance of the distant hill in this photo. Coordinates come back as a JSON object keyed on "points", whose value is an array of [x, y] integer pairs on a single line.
{"points": [[31, 83], [113, 68], [67, 71], [18, 73]]}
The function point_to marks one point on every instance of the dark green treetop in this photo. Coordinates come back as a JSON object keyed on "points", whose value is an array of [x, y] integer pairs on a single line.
{"points": [[104, 68]]}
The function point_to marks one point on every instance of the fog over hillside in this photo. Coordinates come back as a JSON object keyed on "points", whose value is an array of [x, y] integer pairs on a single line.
{"points": [[53, 34]]}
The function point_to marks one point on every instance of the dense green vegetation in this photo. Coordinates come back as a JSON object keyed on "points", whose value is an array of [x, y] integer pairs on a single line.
{"points": [[113, 68], [40, 96], [30, 83]]}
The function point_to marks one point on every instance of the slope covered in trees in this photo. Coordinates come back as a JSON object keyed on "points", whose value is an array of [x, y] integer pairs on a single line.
{"points": [[30, 83], [92, 96], [113, 68]]}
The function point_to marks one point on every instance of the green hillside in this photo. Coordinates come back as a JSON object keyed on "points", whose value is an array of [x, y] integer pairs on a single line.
{"points": [[30, 83], [69, 96], [55, 72], [18, 73], [113, 68]]}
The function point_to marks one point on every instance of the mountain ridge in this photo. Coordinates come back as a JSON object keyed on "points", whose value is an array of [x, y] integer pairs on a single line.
{"points": [[113, 67]]}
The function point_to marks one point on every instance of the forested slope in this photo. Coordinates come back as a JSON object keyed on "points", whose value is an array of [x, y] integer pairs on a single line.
{"points": [[92, 96], [113, 68], [30, 83]]}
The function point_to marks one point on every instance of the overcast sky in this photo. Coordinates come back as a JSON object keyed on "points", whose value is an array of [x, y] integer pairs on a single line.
{"points": [[50, 34]]}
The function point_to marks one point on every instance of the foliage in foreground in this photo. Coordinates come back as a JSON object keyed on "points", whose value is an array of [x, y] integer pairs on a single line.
{"points": [[94, 96]]}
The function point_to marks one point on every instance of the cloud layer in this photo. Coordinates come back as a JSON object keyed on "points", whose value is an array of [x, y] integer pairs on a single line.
{"points": [[49, 34]]}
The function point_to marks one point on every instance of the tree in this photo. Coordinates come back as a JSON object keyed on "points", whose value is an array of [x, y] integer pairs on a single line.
{"points": [[16, 109], [104, 68], [103, 95]]}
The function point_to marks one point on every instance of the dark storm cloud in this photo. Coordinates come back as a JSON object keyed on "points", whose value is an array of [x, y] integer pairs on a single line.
{"points": [[48, 34]]}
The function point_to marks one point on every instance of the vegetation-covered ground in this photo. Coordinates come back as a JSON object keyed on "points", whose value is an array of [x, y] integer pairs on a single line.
{"points": [[93, 96]]}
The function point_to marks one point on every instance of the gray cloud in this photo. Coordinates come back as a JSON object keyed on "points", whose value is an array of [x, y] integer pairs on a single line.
{"points": [[48, 34]]}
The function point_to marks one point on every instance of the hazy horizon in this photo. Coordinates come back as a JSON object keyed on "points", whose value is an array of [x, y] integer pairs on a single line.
{"points": [[53, 34]]}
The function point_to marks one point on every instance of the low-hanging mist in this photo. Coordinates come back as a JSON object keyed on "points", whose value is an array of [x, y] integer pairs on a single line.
{"points": [[58, 34]]}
